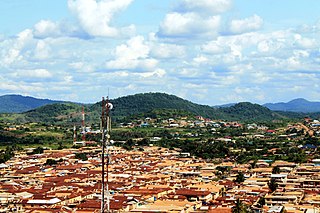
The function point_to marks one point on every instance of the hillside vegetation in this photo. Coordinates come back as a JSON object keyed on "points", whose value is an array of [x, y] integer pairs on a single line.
{"points": [[296, 105], [154, 105], [18, 103]]}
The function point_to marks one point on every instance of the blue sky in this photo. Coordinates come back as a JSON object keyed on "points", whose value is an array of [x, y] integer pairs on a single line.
{"points": [[207, 51]]}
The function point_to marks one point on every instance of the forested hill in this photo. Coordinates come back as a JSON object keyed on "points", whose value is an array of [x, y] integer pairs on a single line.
{"points": [[146, 105], [147, 102], [19, 103], [246, 111], [296, 105]]}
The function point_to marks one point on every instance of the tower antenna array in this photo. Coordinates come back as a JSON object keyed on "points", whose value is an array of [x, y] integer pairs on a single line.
{"points": [[105, 131], [83, 126], [74, 133]]}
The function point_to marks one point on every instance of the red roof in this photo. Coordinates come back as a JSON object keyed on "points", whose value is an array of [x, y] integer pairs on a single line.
{"points": [[220, 210], [191, 192]]}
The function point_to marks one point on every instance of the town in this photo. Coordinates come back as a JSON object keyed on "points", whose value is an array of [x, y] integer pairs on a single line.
{"points": [[171, 165]]}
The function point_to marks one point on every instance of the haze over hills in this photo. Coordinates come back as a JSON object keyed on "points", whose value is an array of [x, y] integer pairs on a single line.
{"points": [[146, 105], [19, 103], [296, 105]]}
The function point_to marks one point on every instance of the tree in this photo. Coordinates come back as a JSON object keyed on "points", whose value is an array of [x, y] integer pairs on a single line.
{"points": [[50, 162], [7, 154], [273, 185], [240, 178], [81, 156], [38, 150], [60, 145], [144, 142], [240, 207], [262, 202], [253, 164], [276, 170]]}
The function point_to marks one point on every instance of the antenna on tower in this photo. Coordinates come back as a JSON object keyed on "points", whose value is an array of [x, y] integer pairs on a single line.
{"points": [[74, 134], [83, 125], [105, 130]]}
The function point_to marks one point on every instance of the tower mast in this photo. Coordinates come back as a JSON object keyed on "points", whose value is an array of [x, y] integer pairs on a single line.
{"points": [[74, 134], [83, 125], [106, 128]]}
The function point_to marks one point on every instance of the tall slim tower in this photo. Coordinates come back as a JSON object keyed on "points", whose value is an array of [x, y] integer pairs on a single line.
{"points": [[74, 134], [83, 125], [105, 130]]}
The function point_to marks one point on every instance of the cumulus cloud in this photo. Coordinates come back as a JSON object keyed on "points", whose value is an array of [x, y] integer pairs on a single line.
{"points": [[205, 6], [167, 51], [46, 28], [21, 87], [215, 47], [134, 54], [158, 73], [305, 43], [42, 50], [14, 48], [194, 19], [200, 59], [206, 60], [95, 16], [249, 24], [188, 25], [36, 73]]}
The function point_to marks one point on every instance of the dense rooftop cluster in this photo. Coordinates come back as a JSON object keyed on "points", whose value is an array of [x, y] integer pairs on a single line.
{"points": [[154, 180], [207, 166]]}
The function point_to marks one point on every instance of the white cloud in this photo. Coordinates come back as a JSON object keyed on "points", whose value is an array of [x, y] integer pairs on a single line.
{"points": [[133, 54], [36, 73], [162, 50], [215, 47], [200, 59], [95, 16], [46, 28], [190, 54], [305, 43], [249, 24], [158, 73], [21, 87], [42, 50], [188, 25], [205, 6], [81, 67], [260, 77], [15, 46]]}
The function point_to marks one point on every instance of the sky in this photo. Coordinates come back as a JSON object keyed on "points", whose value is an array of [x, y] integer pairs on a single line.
{"points": [[207, 51]]}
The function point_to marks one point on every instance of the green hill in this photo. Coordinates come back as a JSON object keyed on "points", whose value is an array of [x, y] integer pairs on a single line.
{"points": [[147, 102], [156, 105], [19, 103], [246, 111], [296, 105]]}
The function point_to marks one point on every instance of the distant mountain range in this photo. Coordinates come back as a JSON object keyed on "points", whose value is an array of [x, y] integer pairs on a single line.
{"points": [[154, 105], [296, 105], [19, 103]]}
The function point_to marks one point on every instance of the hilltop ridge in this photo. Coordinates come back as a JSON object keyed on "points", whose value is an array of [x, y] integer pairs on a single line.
{"points": [[19, 103], [145, 105], [295, 105]]}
